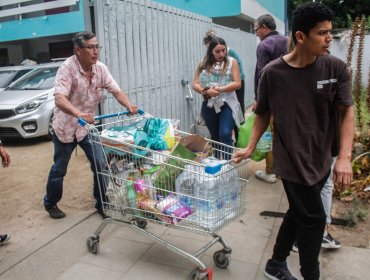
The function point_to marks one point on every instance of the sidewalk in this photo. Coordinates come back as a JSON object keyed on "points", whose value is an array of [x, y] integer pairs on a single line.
{"points": [[61, 252]]}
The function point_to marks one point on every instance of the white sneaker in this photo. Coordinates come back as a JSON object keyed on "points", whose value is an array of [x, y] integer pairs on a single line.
{"points": [[268, 178], [329, 242]]}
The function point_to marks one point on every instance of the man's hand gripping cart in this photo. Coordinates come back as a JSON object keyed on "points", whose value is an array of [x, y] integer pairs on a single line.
{"points": [[147, 174]]}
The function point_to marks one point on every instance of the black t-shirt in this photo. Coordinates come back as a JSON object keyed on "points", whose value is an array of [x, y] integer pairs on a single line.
{"points": [[302, 102]]}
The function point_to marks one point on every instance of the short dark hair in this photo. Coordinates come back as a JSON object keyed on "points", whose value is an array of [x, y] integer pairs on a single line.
{"points": [[306, 16], [266, 20], [80, 38]]}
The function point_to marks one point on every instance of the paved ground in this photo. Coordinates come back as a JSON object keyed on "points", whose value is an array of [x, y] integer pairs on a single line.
{"points": [[61, 253]]}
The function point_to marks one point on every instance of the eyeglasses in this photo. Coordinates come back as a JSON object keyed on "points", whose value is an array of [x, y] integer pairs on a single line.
{"points": [[255, 30], [92, 47]]}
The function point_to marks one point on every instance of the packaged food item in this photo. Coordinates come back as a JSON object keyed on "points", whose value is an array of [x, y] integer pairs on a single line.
{"points": [[141, 189], [148, 204], [173, 209], [166, 202]]}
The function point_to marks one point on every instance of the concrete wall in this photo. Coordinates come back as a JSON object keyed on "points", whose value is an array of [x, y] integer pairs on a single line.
{"points": [[340, 46]]}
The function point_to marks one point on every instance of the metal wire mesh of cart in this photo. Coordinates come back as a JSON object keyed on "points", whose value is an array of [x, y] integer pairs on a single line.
{"points": [[199, 192]]}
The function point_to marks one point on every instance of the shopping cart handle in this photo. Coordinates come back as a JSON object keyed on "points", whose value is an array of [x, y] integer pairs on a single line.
{"points": [[82, 122], [214, 168]]}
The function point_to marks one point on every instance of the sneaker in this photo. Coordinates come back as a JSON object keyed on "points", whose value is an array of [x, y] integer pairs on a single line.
{"points": [[4, 238], [278, 271], [268, 178], [102, 213], [55, 212], [329, 242], [295, 247]]}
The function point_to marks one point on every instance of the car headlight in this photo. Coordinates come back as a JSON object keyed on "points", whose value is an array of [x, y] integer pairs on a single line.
{"points": [[31, 105]]}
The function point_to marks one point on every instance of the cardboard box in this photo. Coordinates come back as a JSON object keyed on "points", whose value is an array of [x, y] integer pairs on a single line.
{"points": [[198, 145]]}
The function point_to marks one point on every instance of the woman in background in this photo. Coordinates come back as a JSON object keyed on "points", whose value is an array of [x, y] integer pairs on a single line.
{"points": [[216, 79]]}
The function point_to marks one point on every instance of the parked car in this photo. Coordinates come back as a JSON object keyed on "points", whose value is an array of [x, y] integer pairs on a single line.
{"points": [[9, 74], [27, 105]]}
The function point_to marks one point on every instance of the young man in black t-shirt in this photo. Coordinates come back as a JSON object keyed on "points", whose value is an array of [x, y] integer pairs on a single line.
{"points": [[301, 90]]}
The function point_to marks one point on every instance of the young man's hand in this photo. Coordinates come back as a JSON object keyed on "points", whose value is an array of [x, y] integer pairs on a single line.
{"points": [[342, 173], [242, 154]]}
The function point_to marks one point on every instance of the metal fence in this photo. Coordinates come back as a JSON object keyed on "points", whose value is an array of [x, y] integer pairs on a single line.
{"points": [[150, 48]]}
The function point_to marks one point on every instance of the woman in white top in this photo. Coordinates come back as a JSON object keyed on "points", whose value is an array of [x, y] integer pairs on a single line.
{"points": [[216, 79]]}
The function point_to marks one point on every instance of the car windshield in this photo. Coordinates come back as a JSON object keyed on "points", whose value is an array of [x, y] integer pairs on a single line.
{"points": [[5, 76], [38, 79]]}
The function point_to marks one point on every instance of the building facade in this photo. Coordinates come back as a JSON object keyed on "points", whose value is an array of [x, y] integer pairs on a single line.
{"points": [[41, 30], [238, 14]]}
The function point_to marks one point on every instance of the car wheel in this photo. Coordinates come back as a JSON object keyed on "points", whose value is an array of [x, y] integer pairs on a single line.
{"points": [[50, 129]]}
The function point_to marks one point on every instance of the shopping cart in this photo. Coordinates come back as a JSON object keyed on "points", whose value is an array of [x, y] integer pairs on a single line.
{"points": [[201, 193]]}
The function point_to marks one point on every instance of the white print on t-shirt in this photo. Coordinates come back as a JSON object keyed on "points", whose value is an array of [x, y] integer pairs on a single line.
{"points": [[320, 84]]}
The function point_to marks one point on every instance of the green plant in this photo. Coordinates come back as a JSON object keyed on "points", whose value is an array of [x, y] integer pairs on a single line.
{"points": [[356, 212], [350, 218], [362, 214], [352, 44], [357, 90]]}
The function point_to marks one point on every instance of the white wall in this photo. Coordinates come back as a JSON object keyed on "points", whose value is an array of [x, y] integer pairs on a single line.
{"points": [[253, 10], [339, 48]]}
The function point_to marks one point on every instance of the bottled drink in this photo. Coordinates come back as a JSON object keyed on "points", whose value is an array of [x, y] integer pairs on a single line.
{"points": [[185, 186], [216, 73], [151, 189], [209, 199], [231, 190], [131, 196], [265, 142]]}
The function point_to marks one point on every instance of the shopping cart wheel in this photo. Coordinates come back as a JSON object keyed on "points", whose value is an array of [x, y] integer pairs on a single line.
{"points": [[141, 223], [93, 244], [221, 259], [205, 274]]}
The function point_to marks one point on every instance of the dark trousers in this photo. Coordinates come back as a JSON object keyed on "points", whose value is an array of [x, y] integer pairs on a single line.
{"points": [[240, 96], [62, 155], [304, 222]]}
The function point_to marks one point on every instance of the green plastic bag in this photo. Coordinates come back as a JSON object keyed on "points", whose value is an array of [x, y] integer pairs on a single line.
{"points": [[245, 133], [168, 173]]}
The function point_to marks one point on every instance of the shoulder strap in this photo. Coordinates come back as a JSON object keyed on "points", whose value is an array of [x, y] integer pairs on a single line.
{"points": [[229, 62]]}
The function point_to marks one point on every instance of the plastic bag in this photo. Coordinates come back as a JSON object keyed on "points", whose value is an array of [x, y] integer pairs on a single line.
{"points": [[245, 133], [168, 173], [152, 136]]}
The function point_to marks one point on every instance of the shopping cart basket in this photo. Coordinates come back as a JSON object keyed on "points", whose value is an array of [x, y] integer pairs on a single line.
{"points": [[198, 192]]}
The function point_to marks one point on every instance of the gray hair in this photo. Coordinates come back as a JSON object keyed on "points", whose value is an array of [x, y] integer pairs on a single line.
{"points": [[80, 38], [266, 20]]}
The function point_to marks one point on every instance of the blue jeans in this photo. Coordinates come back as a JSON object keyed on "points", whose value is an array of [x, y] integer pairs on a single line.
{"points": [[220, 125], [62, 155], [327, 193]]}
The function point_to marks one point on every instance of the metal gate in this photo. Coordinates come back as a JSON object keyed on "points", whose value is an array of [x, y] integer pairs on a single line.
{"points": [[151, 49]]}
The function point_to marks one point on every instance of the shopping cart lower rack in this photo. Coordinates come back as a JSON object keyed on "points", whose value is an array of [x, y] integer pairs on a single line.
{"points": [[149, 171]]}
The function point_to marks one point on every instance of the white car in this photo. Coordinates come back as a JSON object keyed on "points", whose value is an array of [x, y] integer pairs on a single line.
{"points": [[9, 74], [27, 105]]}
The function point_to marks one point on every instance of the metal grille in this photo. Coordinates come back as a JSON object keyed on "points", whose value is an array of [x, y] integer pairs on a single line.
{"points": [[4, 114], [9, 132], [153, 47]]}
